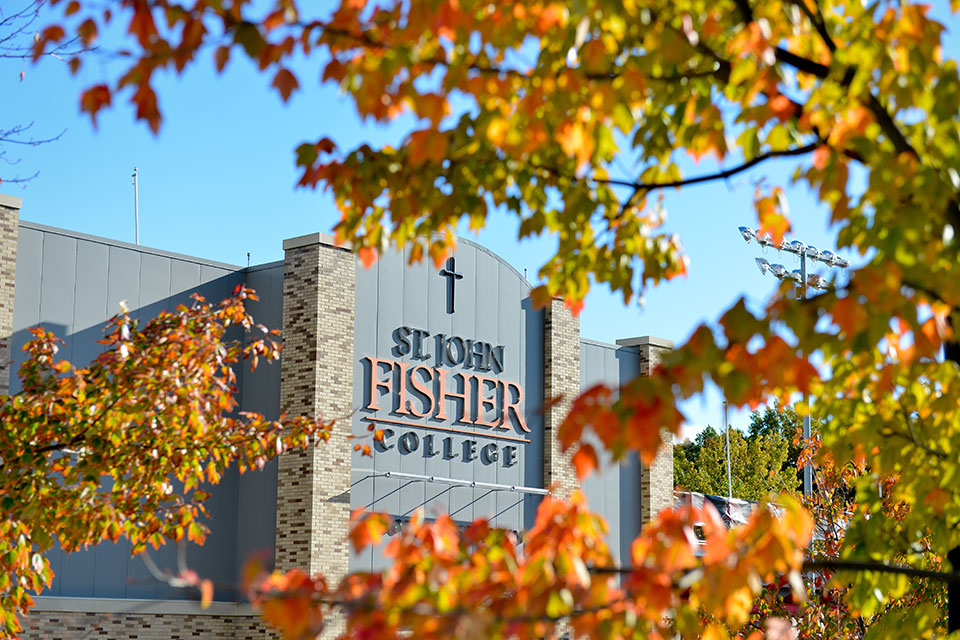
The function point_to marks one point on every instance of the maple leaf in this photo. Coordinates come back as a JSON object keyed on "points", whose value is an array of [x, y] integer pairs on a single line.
{"points": [[367, 529], [285, 82], [585, 461]]}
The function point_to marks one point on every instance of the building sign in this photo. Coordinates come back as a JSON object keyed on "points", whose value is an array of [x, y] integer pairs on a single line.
{"points": [[450, 387], [448, 367]]}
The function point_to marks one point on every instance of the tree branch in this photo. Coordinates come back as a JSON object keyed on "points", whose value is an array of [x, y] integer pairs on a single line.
{"points": [[818, 21], [831, 565], [683, 182], [363, 38], [879, 567]]}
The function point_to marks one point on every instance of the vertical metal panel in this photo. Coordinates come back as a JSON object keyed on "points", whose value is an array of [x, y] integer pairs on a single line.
{"points": [[90, 305], [474, 319], [611, 470], [389, 316], [533, 381], [140, 583], [76, 574], [217, 559], [260, 392], [507, 506], [57, 287], [110, 569], [440, 322], [365, 340], [184, 279], [614, 490], [55, 557], [412, 312], [630, 491], [26, 296], [154, 284], [591, 373], [123, 282], [422, 313]]}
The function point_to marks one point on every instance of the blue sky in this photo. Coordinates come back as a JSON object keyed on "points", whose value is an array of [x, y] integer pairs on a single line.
{"points": [[219, 181]]}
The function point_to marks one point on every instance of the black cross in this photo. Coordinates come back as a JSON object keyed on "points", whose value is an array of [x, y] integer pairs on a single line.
{"points": [[450, 273]]}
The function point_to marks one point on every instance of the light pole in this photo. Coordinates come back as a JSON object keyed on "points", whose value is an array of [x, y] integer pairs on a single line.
{"points": [[726, 429], [803, 251]]}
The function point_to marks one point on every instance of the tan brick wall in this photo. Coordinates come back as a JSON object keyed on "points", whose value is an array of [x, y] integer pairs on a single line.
{"points": [[9, 218], [53, 625], [313, 486], [656, 480], [561, 355]]}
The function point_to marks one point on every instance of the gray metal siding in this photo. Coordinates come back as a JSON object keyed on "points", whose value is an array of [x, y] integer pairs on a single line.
{"points": [[614, 490], [492, 305], [71, 284]]}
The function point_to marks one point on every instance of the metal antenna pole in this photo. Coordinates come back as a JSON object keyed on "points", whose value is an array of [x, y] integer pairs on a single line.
{"points": [[726, 426], [136, 208]]}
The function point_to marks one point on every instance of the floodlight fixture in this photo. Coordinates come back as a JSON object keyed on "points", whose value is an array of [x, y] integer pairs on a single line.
{"points": [[817, 282], [800, 276], [795, 246]]}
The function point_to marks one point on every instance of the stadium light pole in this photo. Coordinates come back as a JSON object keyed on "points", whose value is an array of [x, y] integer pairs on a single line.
{"points": [[802, 251], [726, 430]]}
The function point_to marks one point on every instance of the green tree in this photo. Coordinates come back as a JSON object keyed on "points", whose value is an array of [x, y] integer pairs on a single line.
{"points": [[757, 462]]}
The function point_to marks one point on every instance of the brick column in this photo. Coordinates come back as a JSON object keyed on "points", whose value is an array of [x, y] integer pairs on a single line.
{"points": [[313, 486], [561, 355], [9, 221], [656, 480]]}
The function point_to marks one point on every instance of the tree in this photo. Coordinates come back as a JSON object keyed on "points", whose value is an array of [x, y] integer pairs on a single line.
{"points": [[119, 448], [758, 464], [525, 106]]}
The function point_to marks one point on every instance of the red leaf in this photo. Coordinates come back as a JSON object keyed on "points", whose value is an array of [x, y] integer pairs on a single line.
{"points": [[285, 82], [93, 99], [221, 57]]}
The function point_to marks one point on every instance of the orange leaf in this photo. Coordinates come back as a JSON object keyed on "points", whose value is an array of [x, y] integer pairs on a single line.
{"points": [[368, 529], [585, 461], [820, 157], [368, 255], [206, 593]]}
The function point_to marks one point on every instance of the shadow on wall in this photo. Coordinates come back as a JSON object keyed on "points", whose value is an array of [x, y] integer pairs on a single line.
{"points": [[70, 285]]}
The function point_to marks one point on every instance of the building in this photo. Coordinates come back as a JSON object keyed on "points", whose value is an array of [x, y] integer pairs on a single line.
{"points": [[453, 364]]}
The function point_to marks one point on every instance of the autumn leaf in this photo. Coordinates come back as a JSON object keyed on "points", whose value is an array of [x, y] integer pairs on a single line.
{"points": [[585, 461], [206, 594], [367, 529], [286, 83]]}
